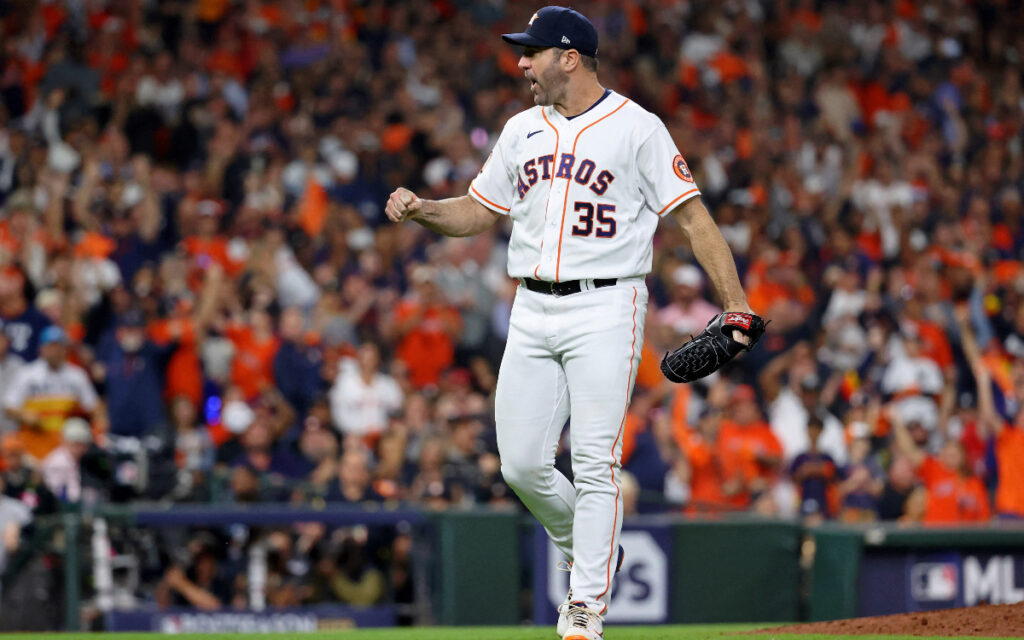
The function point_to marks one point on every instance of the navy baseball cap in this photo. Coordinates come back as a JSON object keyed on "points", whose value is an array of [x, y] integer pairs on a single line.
{"points": [[560, 27]]}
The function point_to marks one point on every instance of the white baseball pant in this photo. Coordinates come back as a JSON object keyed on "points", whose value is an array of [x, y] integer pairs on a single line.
{"points": [[572, 355]]}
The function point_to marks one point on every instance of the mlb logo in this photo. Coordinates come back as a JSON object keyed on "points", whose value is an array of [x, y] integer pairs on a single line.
{"points": [[934, 581]]}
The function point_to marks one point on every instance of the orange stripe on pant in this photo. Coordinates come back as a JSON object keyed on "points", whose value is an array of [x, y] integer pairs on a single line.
{"points": [[618, 490]]}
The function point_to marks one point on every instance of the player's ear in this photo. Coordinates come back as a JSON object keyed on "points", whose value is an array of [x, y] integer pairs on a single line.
{"points": [[570, 59]]}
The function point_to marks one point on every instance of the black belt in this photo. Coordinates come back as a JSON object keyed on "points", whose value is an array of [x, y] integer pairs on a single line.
{"points": [[565, 288]]}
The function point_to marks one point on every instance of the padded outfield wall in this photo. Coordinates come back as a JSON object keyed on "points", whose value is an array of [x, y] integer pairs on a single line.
{"points": [[486, 567]]}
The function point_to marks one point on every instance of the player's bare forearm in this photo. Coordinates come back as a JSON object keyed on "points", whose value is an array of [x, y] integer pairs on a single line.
{"points": [[904, 441], [713, 253], [462, 216], [989, 417]]}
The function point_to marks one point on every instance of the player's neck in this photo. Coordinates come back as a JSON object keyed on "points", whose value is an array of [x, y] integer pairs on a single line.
{"points": [[580, 99]]}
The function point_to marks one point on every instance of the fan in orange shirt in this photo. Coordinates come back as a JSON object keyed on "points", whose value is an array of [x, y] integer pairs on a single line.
{"points": [[934, 343], [750, 452], [188, 323], [252, 368], [207, 247], [952, 494], [1008, 440], [710, 490], [426, 328], [779, 290], [1009, 445]]}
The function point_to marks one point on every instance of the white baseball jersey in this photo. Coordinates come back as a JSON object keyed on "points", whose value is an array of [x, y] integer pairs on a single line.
{"points": [[359, 408], [585, 193]]}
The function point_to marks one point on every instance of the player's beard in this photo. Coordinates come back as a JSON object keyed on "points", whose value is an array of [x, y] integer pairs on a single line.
{"points": [[550, 88]]}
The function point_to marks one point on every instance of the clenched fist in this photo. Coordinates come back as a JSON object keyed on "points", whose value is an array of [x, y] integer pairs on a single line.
{"points": [[402, 205]]}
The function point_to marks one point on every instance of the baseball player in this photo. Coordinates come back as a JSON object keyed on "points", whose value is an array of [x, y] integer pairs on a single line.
{"points": [[585, 176]]}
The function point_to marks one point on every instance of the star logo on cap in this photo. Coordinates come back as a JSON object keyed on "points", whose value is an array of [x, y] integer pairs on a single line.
{"points": [[530, 23]]}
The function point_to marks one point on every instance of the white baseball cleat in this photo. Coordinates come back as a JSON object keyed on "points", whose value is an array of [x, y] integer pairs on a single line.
{"points": [[563, 622], [584, 624]]}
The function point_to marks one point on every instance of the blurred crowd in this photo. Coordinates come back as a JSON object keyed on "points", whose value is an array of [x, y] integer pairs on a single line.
{"points": [[201, 299], [301, 565]]}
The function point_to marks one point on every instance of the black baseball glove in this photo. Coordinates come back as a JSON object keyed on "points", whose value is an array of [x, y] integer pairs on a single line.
{"points": [[715, 346]]}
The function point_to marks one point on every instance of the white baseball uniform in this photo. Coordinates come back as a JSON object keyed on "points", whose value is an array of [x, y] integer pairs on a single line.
{"points": [[585, 194]]}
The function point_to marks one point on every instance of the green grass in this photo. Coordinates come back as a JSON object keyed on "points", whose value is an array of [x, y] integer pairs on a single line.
{"points": [[688, 632]]}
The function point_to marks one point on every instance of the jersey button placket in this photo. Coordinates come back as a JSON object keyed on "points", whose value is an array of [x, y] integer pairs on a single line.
{"points": [[555, 212], [563, 208], [550, 231]]}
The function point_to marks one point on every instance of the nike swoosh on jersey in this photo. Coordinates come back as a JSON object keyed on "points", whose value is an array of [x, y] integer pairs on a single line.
{"points": [[533, 133]]}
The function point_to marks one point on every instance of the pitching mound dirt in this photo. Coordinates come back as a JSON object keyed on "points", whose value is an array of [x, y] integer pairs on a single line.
{"points": [[996, 621]]}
